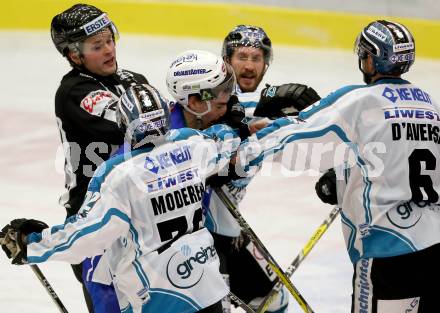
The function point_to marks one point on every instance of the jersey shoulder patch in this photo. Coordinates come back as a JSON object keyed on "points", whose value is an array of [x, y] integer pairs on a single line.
{"points": [[97, 102]]}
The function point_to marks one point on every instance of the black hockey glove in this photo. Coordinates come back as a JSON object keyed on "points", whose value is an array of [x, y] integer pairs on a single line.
{"points": [[217, 180], [326, 187], [235, 117], [13, 234], [287, 99]]}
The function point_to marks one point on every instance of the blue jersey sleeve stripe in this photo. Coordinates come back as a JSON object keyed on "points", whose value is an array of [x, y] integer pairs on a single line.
{"points": [[334, 96], [135, 237], [329, 100], [127, 309], [366, 194], [210, 222], [248, 104], [275, 125], [298, 136], [113, 212], [352, 251], [314, 134], [220, 131], [105, 168], [367, 182], [183, 134], [141, 274]]}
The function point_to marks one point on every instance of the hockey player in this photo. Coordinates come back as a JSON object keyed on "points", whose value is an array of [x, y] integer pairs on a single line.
{"points": [[390, 202], [85, 105], [217, 83], [202, 84], [248, 50], [144, 209]]}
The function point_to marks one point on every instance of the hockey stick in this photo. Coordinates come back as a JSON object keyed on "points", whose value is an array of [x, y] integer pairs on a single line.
{"points": [[272, 263], [240, 302], [299, 258], [49, 289]]}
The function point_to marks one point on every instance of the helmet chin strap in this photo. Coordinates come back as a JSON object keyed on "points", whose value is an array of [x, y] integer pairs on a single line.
{"points": [[198, 115], [199, 122]]}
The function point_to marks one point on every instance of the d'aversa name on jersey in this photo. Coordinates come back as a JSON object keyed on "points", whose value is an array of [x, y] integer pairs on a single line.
{"points": [[415, 132]]}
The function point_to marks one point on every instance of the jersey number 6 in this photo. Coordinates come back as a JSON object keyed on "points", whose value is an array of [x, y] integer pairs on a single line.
{"points": [[417, 181]]}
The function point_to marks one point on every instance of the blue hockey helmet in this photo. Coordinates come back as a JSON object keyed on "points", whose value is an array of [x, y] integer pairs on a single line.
{"points": [[247, 36], [390, 44], [142, 113]]}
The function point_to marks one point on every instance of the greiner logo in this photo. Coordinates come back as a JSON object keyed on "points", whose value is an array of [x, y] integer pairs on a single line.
{"points": [[405, 215], [191, 72], [185, 272]]}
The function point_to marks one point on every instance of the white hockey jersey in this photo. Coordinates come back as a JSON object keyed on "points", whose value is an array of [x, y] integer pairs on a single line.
{"points": [[219, 220], [143, 209], [390, 203]]}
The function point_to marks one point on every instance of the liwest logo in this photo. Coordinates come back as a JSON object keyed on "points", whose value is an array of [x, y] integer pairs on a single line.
{"points": [[97, 24], [406, 94], [173, 180], [185, 269], [191, 72], [416, 113], [167, 159]]}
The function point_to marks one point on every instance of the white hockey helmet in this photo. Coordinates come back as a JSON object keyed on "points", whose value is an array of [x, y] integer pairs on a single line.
{"points": [[200, 72]]}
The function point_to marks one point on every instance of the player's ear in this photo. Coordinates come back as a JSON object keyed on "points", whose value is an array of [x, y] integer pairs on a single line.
{"points": [[74, 57], [370, 62], [194, 102]]}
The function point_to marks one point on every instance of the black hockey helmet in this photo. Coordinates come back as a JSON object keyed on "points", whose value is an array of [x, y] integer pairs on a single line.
{"points": [[248, 36], [142, 113], [76, 24]]}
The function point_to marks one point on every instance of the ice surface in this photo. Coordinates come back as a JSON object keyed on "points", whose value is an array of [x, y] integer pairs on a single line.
{"points": [[283, 211]]}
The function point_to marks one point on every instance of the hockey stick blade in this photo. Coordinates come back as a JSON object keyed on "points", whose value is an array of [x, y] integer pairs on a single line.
{"points": [[49, 289], [240, 302], [271, 261], [299, 258]]}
